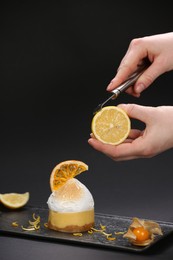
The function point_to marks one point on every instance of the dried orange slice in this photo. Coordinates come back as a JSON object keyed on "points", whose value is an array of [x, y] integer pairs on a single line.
{"points": [[14, 200], [65, 171], [111, 125]]}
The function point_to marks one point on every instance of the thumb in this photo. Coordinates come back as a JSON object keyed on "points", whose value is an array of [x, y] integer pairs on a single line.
{"points": [[139, 112]]}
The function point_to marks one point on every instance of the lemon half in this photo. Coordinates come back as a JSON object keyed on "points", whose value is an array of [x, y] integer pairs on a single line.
{"points": [[111, 125]]}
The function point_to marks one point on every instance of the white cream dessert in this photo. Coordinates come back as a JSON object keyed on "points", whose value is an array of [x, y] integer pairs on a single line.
{"points": [[71, 208]]}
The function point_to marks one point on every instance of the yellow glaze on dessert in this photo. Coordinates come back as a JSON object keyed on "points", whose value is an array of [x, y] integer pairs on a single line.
{"points": [[71, 222]]}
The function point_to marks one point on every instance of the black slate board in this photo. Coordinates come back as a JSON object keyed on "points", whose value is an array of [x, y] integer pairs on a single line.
{"points": [[113, 224]]}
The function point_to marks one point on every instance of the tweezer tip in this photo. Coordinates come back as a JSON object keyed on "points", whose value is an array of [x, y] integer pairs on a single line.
{"points": [[97, 109]]}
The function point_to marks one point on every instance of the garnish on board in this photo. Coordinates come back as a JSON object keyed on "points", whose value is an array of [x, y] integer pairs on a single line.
{"points": [[33, 225], [77, 234], [46, 225], [119, 233], [102, 230], [142, 232], [15, 224]]}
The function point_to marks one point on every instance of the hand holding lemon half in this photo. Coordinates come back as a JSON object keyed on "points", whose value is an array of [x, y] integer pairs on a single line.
{"points": [[111, 125]]}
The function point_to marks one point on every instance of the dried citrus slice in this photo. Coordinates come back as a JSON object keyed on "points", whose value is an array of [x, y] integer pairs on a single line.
{"points": [[65, 171], [111, 125], [14, 200]]}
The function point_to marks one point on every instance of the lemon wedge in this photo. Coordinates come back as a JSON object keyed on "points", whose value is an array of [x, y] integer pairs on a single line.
{"points": [[14, 200]]}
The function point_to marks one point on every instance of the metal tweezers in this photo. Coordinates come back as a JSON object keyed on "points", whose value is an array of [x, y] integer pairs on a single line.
{"points": [[129, 82]]}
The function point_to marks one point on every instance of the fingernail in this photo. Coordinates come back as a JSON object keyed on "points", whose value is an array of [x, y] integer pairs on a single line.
{"points": [[122, 105], [109, 86], [90, 140], [139, 88]]}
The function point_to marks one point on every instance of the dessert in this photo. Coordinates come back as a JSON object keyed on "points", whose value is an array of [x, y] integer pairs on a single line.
{"points": [[71, 205]]}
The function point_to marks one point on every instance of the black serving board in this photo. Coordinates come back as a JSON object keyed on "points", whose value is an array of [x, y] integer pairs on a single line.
{"points": [[113, 224]]}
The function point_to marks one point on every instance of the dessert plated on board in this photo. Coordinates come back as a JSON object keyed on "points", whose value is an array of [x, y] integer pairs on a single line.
{"points": [[71, 204]]}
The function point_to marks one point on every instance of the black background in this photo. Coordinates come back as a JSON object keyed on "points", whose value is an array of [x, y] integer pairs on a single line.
{"points": [[57, 57]]}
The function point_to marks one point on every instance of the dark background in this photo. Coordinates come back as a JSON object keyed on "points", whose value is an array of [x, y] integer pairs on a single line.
{"points": [[57, 57]]}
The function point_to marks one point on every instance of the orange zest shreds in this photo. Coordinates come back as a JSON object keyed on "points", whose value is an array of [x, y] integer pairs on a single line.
{"points": [[28, 228], [106, 234], [34, 216], [46, 225], [97, 230], [33, 225], [102, 231], [77, 234], [111, 238], [15, 224], [36, 220], [120, 233], [37, 227], [103, 227]]}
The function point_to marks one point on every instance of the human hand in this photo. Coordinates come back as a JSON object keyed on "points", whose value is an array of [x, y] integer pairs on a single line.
{"points": [[154, 139], [159, 51]]}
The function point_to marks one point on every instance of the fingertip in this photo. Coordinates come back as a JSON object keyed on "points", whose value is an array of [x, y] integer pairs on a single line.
{"points": [[91, 140], [122, 106], [110, 86], [94, 142], [139, 88], [137, 95], [115, 82]]}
